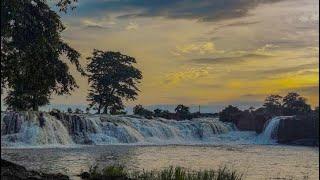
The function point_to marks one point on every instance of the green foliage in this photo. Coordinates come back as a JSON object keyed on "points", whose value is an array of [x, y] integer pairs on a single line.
{"points": [[291, 104], [139, 110], [183, 111], [31, 51], [294, 104], [109, 172], [229, 114], [112, 78], [162, 113], [273, 104], [170, 173]]}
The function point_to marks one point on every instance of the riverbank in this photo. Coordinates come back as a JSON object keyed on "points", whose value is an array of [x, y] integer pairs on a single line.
{"points": [[11, 171]]}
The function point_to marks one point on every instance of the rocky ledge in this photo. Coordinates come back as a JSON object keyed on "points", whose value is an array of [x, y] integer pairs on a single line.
{"points": [[12, 171]]}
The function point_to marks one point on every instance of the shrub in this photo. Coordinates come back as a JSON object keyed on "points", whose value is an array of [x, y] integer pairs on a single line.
{"points": [[183, 112], [139, 110], [229, 114], [170, 173]]}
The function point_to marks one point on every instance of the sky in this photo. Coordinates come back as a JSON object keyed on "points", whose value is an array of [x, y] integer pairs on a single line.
{"points": [[207, 52]]}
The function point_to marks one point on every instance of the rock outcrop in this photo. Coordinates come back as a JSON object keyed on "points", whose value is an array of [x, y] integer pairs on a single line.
{"points": [[12, 171], [298, 131]]}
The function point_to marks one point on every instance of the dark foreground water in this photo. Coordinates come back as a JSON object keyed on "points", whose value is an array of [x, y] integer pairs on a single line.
{"points": [[255, 161]]}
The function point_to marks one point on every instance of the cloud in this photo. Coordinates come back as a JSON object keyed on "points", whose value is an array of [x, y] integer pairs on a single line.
{"points": [[185, 75], [307, 90], [203, 10], [196, 48], [288, 69], [102, 24], [234, 24], [132, 26], [227, 60]]}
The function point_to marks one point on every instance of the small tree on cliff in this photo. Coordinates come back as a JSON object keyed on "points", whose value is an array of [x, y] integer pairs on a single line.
{"points": [[294, 104], [112, 78]]}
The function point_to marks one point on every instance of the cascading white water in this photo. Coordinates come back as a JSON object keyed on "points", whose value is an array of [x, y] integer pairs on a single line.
{"points": [[269, 134], [24, 129]]}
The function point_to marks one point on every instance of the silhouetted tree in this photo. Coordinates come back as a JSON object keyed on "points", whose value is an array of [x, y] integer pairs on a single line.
{"points": [[157, 112], [183, 111], [273, 104], [294, 104], [229, 114], [139, 110], [112, 78], [31, 49]]}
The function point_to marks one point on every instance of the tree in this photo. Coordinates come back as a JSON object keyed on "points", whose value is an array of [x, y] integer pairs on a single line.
{"points": [[31, 49], [229, 114], [139, 110], [112, 78], [273, 104], [183, 111], [157, 112], [294, 104]]}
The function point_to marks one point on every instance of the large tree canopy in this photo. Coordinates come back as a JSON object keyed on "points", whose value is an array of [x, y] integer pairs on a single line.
{"points": [[32, 67], [112, 77]]}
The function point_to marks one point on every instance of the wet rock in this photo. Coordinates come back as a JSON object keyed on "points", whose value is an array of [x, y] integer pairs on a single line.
{"points": [[12, 122], [298, 131], [260, 122], [12, 171]]}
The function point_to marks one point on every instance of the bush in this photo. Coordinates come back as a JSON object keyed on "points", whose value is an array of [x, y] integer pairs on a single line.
{"points": [[139, 110], [183, 112], [170, 173], [229, 114]]}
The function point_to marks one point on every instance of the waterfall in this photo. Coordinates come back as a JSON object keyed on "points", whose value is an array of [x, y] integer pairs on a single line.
{"points": [[22, 129], [269, 134]]}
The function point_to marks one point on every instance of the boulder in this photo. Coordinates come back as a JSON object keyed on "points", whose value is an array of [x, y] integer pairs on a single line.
{"points": [[298, 131], [260, 122], [12, 171]]}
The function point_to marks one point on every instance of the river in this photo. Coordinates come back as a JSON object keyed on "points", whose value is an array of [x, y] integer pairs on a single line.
{"points": [[254, 161]]}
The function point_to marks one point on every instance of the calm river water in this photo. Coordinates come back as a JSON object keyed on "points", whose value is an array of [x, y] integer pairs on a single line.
{"points": [[255, 161]]}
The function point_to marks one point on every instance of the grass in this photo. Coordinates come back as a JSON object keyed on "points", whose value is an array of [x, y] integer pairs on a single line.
{"points": [[170, 173]]}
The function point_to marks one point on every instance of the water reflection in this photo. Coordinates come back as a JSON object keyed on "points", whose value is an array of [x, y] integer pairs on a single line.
{"points": [[256, 161]]}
